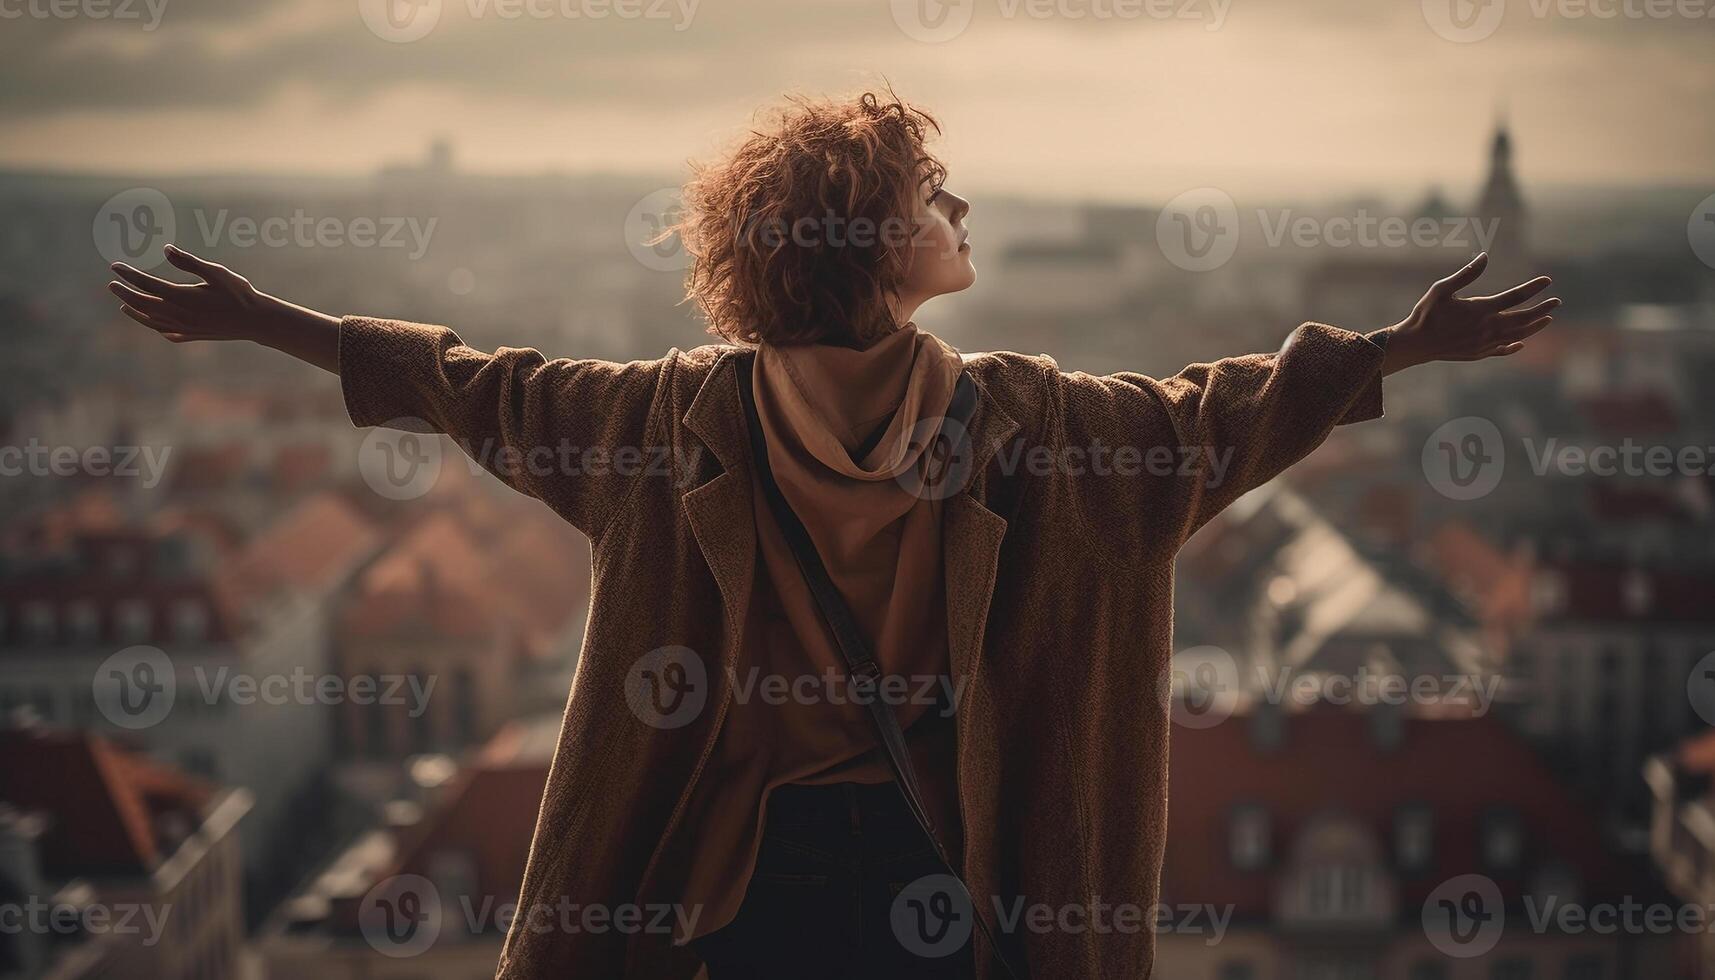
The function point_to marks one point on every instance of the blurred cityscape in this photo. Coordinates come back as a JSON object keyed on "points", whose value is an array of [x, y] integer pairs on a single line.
{"points": [[364, 683]]}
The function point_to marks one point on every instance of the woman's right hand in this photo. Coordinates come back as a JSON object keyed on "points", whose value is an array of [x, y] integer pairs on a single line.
{"points": [[224, 306]]}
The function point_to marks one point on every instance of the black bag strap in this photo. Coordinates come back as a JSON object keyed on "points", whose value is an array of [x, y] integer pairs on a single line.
{"points": [[861, 664]]}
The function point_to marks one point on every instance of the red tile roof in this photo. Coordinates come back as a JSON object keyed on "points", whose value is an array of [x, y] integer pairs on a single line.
{"points": [[488, 814], [102, 802], [306, 550], [1328, 761]]}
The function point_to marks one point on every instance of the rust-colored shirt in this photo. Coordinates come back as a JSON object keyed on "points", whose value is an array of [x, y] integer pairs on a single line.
{"points": [[846, 430]]}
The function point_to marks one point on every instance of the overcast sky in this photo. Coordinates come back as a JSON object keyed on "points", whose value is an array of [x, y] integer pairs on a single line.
{"points": [[1132, 100]]}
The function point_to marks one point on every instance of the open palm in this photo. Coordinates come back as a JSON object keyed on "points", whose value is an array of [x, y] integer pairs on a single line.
{"points": [[1445, 326], [218, 308]]}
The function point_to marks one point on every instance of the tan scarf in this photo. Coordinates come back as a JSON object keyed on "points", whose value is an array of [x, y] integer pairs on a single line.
{"points": [[881, 543]]}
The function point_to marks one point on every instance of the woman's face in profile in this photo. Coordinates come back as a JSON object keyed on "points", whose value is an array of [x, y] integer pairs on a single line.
{"points": [[940, 251]]}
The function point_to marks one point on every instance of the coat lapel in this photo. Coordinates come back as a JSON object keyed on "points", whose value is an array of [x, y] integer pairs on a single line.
{"points": [[971, 536], [721, 516], [719, 510]]}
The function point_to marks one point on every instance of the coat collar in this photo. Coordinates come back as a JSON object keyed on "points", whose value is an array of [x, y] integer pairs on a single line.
{"points": [[721, 515]]}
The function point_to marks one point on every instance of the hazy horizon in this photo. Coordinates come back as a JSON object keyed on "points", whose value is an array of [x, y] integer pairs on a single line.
{"points": [[1124, 107]]}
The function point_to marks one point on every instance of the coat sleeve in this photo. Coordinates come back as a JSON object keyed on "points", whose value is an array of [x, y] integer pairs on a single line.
{"points": [[1239, 421], [573, 433]]}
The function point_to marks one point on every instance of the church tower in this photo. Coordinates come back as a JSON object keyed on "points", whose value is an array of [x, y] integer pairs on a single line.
{"points": [[1500, 210]]}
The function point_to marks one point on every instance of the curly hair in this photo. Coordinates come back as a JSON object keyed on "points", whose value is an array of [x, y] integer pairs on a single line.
{"points": [[803, 232]]}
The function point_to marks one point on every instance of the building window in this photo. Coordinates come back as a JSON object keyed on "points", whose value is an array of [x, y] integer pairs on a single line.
{"points": [[1249, 837], [1414, 837], [83, 621], [1503, 840], [1548, 592], [134, 620], [375, 728], [1335, 890], [38, 621], [190, 621]]}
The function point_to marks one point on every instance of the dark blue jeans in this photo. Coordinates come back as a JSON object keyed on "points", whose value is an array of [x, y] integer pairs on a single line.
{"points": [[846, 886]]}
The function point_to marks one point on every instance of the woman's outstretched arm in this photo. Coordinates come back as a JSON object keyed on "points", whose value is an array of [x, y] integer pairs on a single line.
{"points": [[224, 306], [574, 433], [1239, 421]]}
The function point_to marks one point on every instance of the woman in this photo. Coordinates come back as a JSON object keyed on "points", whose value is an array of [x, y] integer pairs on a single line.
{"points": [[1022, 594]]}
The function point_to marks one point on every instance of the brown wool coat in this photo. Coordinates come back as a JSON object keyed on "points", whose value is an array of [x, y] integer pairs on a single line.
{"points": [[1059, 602]]}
